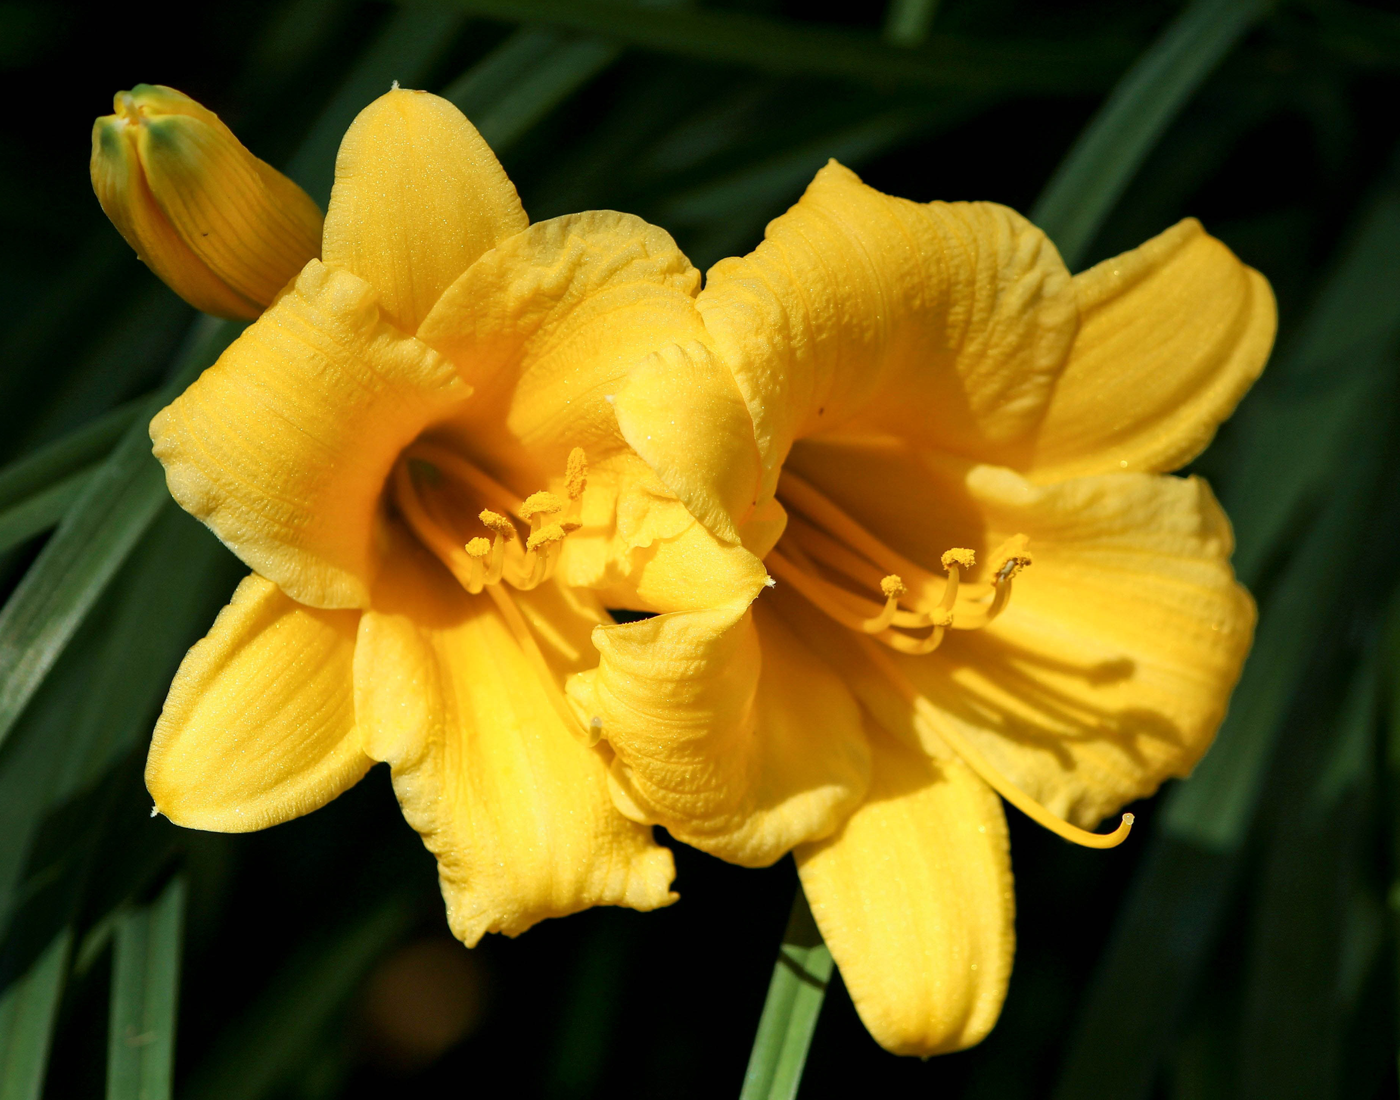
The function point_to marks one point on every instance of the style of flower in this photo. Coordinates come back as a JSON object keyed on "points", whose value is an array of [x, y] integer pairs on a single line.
{"points": [[908, 409], [401, 447]]}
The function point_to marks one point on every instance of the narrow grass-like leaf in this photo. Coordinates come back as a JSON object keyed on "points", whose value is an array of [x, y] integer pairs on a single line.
{"points": [[790, 47], [273, 1038], [76, 451], [794, 1002], [907, 22], [145, 989], [101, 527], [28, 1006], [1099, 166], [43, 510], [410, 44]]}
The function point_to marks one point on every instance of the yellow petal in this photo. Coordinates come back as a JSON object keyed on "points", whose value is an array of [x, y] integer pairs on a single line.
{"points": [[914, 898], [511, 803], [283, 446], [418, 196], [728, 730], [861, 312], [119, 182], [681, 411], [248, 224], [259, 725], [1171, 336], [548, 325]]}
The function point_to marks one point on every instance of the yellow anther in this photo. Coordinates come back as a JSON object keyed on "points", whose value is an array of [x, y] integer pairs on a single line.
{"points": [[545, 536], [497, 523], [893, 587], [576, 474], [570, 525], [1010, 558], [959, 556], [540, 504], [941, 617], [479, 548]]}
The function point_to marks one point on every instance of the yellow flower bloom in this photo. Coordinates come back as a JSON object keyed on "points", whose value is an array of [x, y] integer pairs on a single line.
{"points": [[403, 448], [904, 407], [222, 229]]}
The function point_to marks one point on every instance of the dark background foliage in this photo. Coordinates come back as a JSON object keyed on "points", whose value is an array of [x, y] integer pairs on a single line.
{"points": [[1242, 944]]}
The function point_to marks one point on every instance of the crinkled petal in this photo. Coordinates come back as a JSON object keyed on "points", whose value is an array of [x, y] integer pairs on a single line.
{"points": [[1171, 336], [548, 325], [259, 725], [283, 446], [863, 312], [728, 730], [510, 801], [1112, 665], [913, 896], [418, 197]]}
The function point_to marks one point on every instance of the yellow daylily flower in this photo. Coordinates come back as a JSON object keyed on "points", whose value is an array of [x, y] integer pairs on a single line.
{"points": [[908, 408], [221, 228], [409, 448]]}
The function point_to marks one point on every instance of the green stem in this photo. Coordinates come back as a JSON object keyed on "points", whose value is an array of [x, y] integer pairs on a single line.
{"points": [[790, 1013]]}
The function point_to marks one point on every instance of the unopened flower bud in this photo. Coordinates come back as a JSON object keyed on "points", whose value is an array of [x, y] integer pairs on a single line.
{"points": [[224, 230]]}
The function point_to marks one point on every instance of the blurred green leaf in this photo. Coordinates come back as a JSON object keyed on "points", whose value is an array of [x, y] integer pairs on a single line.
{"points": [[278, 1032], [28, 1006], [145, 988], [98, 532], [907, 22], [794, 1002], [1093, 175], [786, 46], [76, 451], [41, 511]]}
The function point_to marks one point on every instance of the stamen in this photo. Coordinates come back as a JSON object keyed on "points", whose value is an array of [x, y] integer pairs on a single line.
{"points": [[576, 474], [1011, 557], [989, 774], [537, 506], [505, 533], [478, 550], [540, 548]]}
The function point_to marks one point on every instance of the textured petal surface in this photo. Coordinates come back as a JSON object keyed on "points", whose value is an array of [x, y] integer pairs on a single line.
{"points": [[1112, 665], [1171, 336], [283, 446], [914, 898], [507, 798], [418, 196], [547, 326], [859, 311], [259, 725], [728, 730]]}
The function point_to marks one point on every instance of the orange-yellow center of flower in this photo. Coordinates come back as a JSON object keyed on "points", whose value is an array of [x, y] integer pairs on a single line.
{"points": [[438, 493], [834, 562]]}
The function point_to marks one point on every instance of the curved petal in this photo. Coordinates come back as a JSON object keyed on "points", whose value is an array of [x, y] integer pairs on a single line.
{"points": [[1112, 665], [1111, 669], [512, 804], [728, 730], [945, 322], [1171, 336], [282, 446], [259, 725], [547, 326], [418, 196], [914, 898]]}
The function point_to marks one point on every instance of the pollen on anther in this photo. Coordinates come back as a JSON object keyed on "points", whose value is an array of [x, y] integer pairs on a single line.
{"points": [[941, 616], [893, 586], [546, 535], [959, 556], [479, 547], [494, 521], [576, 473], [540, 504]]}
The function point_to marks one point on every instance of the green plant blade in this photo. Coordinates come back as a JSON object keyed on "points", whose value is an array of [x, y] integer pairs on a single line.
{"points": [[145, 988], [100, 529], [28, 1005], [76, 451], [1113, 146], [780, 46], [43, 510], [794, 1002], [907, 22]]}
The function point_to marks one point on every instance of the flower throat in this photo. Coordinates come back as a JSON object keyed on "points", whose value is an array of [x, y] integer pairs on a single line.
{"points": [[830, 560]]}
